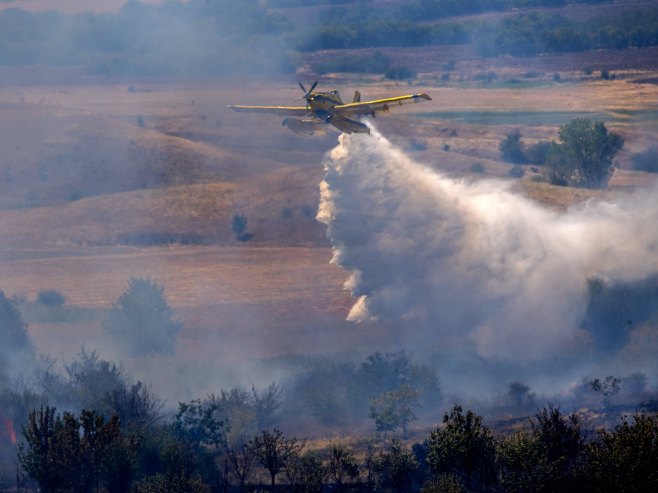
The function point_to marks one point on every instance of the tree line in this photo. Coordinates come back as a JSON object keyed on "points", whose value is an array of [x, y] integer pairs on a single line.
{"points": [[552, 451], [220, 36]]}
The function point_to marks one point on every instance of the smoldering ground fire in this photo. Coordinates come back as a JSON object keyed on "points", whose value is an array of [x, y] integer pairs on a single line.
{"points": [[474, 265]]}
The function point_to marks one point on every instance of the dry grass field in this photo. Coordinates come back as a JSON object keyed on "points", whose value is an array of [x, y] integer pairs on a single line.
{"points": [[100, 182]]}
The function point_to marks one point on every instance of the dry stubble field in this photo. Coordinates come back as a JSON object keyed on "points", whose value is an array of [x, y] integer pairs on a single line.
{"points": [[275, 295]]}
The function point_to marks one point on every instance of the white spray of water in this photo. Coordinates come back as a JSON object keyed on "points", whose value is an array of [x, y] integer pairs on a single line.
{"points": [[474, 264]]}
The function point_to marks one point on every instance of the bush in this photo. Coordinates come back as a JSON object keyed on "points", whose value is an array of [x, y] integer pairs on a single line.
{"points": [[400, 73], [646, 160], [51, 298], [239, 227], [477, 168], [511, 148], [537, 153], [516, 171], [141, 319]]}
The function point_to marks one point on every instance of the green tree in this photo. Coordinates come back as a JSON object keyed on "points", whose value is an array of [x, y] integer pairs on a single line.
{"points": [[511, 148], [395, 467], [239, 227], [272, 450], [548, 458], [201, 425], [395, 409], [341, 465], [51, 298], [608, 387], [625, 460], [585, 155], [142, 320], [63, 451], [537, 153], [463, 447], [240, 459], [520, 394], [38, 456], [305, 473]]}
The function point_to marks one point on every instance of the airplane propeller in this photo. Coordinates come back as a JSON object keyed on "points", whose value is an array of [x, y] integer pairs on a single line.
{"points": [[307, 94]]}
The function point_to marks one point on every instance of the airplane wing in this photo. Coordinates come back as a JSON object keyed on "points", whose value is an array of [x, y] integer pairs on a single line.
{"points": [[370, 107], [297, 111]]}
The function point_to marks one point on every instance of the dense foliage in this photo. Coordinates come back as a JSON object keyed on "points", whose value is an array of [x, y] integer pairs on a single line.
{"points": [[65, 452]]}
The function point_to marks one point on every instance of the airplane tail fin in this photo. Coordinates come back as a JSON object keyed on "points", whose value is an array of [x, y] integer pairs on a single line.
{"points": [[357, 97]]}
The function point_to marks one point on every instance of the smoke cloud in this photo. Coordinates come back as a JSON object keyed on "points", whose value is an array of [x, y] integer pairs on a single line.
{"points": [[475, 267]]}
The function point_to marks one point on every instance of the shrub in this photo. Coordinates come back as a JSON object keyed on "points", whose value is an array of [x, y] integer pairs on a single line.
{"points": [[477, 168], [646, 160], [142, 320], [516, 171], [511, 148], [400, 73], [239, 227], [51, 298], [615, 308], [537, 153]]}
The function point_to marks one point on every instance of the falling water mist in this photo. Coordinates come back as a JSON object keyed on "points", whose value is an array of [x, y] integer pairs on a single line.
{"points": [[481, 273]]}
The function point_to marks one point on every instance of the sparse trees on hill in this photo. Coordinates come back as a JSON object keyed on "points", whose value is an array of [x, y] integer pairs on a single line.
{"points": [[142, 321]]}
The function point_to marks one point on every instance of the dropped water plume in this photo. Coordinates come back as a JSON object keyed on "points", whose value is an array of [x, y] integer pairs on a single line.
{"points": [[473, 266]]}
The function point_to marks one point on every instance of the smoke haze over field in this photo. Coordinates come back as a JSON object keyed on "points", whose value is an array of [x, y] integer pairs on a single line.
{"points": [[473, 265]]}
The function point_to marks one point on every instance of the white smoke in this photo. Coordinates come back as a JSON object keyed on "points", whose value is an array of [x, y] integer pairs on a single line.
{"points": [[473, 264]]}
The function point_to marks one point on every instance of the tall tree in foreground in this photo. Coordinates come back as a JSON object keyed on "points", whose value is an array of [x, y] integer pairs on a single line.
{"points": [[465, 448], [66, 452], [547, 458], [395, 467], [626, 460]]}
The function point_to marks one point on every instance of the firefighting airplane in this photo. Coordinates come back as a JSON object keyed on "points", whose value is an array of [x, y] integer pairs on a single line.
{"points": [[324, 108]]}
